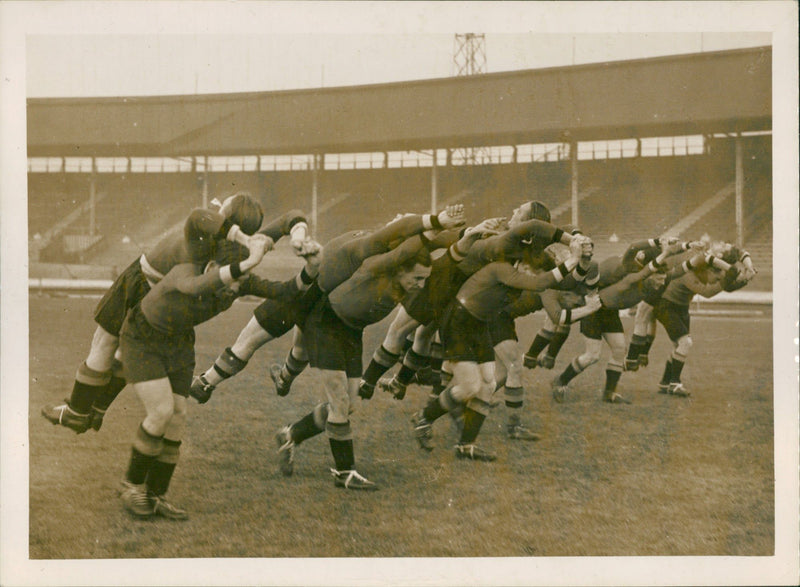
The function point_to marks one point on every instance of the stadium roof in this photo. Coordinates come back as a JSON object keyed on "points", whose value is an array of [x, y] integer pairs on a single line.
{"points": [[700, 93]]}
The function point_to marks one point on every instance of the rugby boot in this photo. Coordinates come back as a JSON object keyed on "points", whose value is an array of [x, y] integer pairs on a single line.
{"points": [[201, 389], [632, 364], [644, 360], [281, 387], [136, 500], [677, 388], [96, 418], [67, 417], [547, 362], [521, 432], [663, 388], [163, 508], [559, 391], [365, 390], [473, 452], [352, 480], [423, 431], [612, 397], [285, 451], [393, 386], [530, 362]]}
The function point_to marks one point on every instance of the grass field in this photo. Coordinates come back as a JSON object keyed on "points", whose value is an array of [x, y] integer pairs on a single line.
{"points": [[663, 476]]}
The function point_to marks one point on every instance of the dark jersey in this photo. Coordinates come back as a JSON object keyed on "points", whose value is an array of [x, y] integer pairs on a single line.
{"points": [[183, 299]]}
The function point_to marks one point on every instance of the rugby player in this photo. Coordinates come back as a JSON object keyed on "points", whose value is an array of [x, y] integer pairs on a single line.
{"points": [[98, 380], [157, 347], [366, 291], [672, 309], [275, 318], [468, 348]]}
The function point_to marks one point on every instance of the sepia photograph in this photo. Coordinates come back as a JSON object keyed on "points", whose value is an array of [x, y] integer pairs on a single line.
{"points": [[399, 293]]}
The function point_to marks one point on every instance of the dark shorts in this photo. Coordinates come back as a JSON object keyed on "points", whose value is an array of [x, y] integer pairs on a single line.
{"points": [[330, 343], [602, 321], [127, 290], [427, 304], [149, 354], [675, 318], [502, 328], [278, 317], [464, 337]]}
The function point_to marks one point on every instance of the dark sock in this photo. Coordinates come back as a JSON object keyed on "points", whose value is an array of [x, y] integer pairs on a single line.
{"points": [[612, 378], [434, 410], [82, 397], [472, 425], [648, 342], [635, 347], [665, 378], [343, 455], [305, 428], [139, 466], [540, 341], [159, 476], [381, 362], [568, 375], [109, 393], [558, 340], [675, 373]]}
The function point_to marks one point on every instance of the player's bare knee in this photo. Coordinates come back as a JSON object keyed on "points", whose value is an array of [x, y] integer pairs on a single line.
{"points": [[684, 345]]}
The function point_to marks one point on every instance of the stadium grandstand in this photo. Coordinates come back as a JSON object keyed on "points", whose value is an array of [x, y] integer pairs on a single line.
{"points": [[677, 145]]}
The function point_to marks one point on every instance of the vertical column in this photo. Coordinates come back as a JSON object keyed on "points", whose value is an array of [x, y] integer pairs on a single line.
{"points": [[434, 183], [316, 163], [573, 159], [205, 181], [93, 199], [739, 192]]}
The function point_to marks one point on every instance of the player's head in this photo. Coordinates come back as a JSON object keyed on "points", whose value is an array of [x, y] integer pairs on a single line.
{"points": [[532, 210], [412, 274], [244, 210]]}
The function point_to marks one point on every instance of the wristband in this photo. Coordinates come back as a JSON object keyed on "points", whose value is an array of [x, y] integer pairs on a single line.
{"points": [[455, 253], [654, 242], [561, 271], [435, 223], [225, 275], [299, 231], [558, 235], [305, 277], [567, 316], [581, 271], [236, 270]]}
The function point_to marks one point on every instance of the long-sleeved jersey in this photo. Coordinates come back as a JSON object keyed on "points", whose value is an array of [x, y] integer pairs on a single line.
{"points": [[372, 292], [532, 236], [498, 284], [202, 239], [183, 299], [344, 254]]}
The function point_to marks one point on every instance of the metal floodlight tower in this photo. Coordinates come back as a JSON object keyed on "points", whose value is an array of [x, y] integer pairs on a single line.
{"points": [[469, 58]]}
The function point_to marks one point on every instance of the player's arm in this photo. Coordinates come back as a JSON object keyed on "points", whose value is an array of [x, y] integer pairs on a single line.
{"points": [[569, 315], [386, 262], [542, 281], [292, 224], [486, 229], [401, 229]]}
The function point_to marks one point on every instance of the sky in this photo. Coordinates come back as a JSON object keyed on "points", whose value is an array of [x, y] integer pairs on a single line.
{"points": [[129, 65], [167, 48]]}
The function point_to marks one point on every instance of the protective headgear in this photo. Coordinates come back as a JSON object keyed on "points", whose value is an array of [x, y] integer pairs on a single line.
{"points": [[538, 211], [245, 211]]}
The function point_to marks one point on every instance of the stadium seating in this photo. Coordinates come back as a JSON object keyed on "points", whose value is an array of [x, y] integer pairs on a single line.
{"points": [[620, 200]]}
